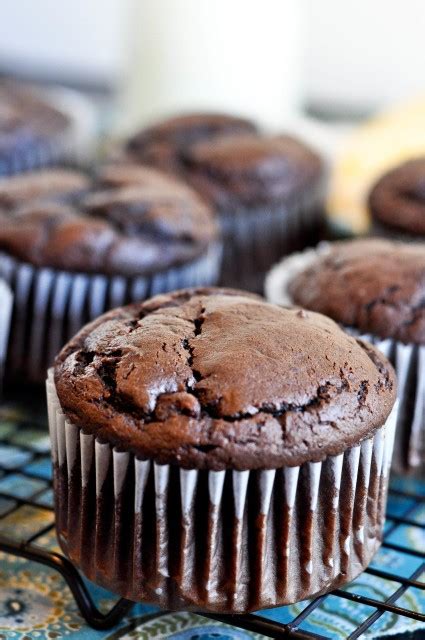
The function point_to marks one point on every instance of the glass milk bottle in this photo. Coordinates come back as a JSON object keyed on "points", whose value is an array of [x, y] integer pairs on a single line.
{"points": [[230, 56]]}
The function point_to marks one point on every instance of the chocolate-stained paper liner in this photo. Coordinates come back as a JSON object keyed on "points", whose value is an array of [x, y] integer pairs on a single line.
{"points": [[227, 541], [6, 304], [254, 239], [407, 359], [50, 306]]}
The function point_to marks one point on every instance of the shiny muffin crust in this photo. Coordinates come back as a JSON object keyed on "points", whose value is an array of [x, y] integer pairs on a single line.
{"points": [[127, 220], [374, 285], [398, 197], [220, 379]]}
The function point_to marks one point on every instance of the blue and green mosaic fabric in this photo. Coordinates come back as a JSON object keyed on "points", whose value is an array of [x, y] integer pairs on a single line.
{"points": [[35, 601]]}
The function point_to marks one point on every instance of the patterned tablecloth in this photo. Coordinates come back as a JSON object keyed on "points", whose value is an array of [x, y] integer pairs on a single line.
{"points": [[35, 602]]}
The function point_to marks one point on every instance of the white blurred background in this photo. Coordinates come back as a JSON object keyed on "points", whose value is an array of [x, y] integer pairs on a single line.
{"points": [[363, 54], [273, 59]]}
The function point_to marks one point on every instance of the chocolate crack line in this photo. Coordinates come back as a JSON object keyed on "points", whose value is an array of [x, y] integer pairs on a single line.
{"points": [[212, 411], [122, 403], [197, 322]]}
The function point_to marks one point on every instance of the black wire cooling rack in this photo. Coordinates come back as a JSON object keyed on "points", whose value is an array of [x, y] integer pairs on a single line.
{"points": [[29, 550]]}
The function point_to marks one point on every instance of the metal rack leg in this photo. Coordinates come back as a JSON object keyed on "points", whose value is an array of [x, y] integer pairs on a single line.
{"points": [[88, 609]]}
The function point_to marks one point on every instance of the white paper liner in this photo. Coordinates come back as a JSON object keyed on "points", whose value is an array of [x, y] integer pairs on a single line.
{"points": [[256, 238], [408, 361], [50, 306], [227, 541], [6, 304]]}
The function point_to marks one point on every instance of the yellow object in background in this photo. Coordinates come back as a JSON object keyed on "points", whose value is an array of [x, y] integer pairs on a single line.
{"points": [[381, 143]]}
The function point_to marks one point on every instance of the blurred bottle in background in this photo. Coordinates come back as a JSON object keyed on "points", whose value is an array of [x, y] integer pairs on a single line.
{"points": [[233, 56]]}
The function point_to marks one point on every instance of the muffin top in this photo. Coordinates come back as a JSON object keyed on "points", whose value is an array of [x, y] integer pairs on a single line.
{"points": [[162, 144], [374, 285], [398, 198], [25, 117], [210, 378], [250, 169], [126, 220]]}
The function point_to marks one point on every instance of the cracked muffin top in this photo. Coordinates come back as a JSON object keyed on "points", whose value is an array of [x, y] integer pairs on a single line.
{"points": [[216, 378], [398, 197], [126, 220], [374, 285], [163, 144]]}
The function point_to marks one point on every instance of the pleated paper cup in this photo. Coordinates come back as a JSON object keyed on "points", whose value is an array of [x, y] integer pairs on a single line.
{"points": [[36, 154], [408, 361], [255, 238], [50, 306], [6, 304], [224, 541]]}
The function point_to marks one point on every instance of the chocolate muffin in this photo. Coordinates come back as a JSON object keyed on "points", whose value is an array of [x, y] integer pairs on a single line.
{"points": [[215, 452], [375, 288], [163, 144], [397, 201], [265, 190], [33, 133], [73, 246]]}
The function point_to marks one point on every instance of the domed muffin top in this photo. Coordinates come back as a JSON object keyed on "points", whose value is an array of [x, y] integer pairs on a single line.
{"points": [[250, 169], [126, 220], [220, 379], [398, 197], [374, 285], [162, 144]]}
